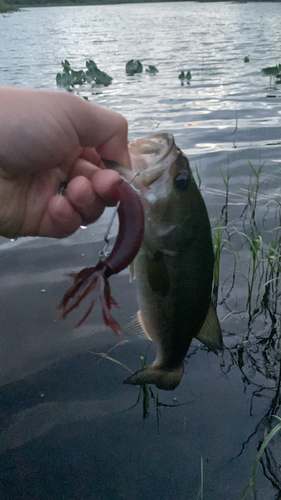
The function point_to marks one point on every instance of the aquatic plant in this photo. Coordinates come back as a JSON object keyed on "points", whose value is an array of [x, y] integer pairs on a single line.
{"points": [[70, 77], [272, 72], [219, 242], [152, 69], [145, 390], [268, 437], [199, 180], [93, 73], [133, 66], [255, 245], [254, 268], [200, 495], [183, 77]]}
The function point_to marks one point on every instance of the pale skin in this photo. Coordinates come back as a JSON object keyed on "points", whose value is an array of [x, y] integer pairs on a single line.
{"points": [[50, 138]]}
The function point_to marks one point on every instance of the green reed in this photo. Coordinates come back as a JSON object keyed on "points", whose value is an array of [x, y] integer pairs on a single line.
{"points": [[145, 390], [253, 481], [200, 495], [254, 265], [257, 248], [219, 242], [262, 267], [253, 189], [226, 177], [198, 176]]}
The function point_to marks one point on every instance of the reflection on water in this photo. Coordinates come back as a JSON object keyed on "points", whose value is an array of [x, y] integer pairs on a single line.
{"points": [[73, 430]]}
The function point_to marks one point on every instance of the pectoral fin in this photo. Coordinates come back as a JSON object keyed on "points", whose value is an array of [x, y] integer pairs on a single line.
{"points": [[210, 333]]}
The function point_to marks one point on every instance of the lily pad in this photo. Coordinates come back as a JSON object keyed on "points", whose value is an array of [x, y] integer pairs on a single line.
{"points": [[272, 71], [152, 69], [66, 66], [78, 77], [94, 74], [91, 65], [133, 66], [70, 77], [64, 79]]}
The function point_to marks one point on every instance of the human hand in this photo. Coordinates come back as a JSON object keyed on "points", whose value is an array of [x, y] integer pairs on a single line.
{"points": [[51, 138]]}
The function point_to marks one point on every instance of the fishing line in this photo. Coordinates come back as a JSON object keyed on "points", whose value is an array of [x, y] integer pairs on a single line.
{"points": [[103, 253]]}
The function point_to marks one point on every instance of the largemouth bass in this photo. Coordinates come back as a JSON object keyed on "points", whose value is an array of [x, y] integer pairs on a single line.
{"points": [[174, 266]]}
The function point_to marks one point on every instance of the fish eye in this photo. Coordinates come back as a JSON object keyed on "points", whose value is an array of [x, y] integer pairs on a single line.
{"points": [[181, 180]]}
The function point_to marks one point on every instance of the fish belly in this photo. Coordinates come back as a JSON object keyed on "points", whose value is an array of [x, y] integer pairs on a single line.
{"points": [[173, 305]]}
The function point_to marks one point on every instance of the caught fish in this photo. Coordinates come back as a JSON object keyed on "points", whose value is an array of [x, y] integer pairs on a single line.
{"points": [[174, 266], [94, 280]]}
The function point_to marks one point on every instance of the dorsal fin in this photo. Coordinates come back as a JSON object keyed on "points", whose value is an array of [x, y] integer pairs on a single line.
{"points": [[210, 333]]}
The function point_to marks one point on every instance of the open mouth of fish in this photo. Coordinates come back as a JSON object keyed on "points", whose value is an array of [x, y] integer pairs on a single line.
{"points": [[150, 157], [154, 149]]}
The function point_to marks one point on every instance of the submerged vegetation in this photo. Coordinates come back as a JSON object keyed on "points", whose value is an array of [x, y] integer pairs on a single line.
{"points": [[253, 243]]}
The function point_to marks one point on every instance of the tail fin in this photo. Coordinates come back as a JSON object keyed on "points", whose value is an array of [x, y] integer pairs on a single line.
{"points": [[162, 378]]}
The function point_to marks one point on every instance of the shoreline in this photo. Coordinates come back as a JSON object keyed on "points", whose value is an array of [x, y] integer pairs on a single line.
{"points": [[14, 6]]}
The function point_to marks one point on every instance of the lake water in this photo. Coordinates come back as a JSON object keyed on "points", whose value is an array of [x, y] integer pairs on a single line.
{"points": [[70, 429]]}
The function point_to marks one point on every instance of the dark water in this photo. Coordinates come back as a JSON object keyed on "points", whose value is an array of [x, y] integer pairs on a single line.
{"points": [[70, 429]]}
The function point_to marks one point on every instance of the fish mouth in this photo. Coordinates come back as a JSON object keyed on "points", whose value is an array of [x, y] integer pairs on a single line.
{"points": [[151, 156], [154, 148]]}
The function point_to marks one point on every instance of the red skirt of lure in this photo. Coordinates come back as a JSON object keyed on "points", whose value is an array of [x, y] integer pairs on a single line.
{"points": [[90, 281], [94, 280]]}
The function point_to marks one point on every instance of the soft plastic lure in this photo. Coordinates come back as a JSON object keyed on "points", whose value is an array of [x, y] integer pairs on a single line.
{"points": [[94, 280]]}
